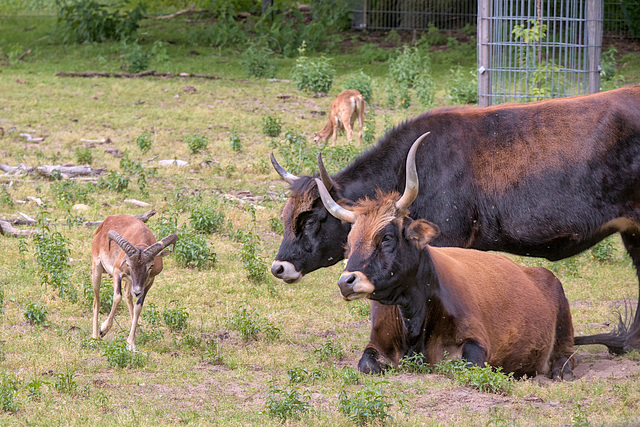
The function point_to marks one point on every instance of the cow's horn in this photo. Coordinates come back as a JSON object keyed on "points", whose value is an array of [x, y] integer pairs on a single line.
{"points": [[290, 178], [334, 208], [127, 247], [326, 178], [411, 186], [157, 247]]}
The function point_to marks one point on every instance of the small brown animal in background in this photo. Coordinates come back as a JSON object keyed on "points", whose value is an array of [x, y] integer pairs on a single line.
{"points": [[136, 258], [344, 110]]}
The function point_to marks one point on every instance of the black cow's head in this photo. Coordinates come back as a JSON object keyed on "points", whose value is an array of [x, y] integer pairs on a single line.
{"points": [[312, 238], [384, 243]]}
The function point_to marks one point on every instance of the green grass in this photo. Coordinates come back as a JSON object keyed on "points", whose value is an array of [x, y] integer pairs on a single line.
{"points": [[213, 368]]}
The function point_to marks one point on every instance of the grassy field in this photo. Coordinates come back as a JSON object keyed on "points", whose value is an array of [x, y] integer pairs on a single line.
{"points": [[226, 343]]}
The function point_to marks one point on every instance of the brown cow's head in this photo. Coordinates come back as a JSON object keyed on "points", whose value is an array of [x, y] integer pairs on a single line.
{"points": [[384, 244]]}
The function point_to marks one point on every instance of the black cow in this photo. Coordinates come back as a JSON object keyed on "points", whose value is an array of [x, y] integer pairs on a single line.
{"points": [[547, 179]]}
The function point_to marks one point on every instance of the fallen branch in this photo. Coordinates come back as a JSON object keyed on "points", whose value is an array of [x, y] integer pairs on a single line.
{"points": [[21, 57], [190, 10], [68, 171], [151, 73], [21, 168], [7, 229], [30, 138]]}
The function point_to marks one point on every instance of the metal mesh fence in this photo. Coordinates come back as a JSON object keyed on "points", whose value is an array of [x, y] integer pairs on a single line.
{"points": [[535, 49]]}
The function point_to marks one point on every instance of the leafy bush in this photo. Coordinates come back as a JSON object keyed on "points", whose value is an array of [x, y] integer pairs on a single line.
{"points": [[134, 58], [175, 318], [225, 32], [64, 382], [8, 392], [117, 355], [68, 192], [152, 314], [35, 313], [52, 256], [369, 131], [93, 21], [276, 225], [603, 251], [609, 64], [84, 156], [258, 61], [370, 52], [462, 87], [193, 251], [196, 142], [434, 36], [302, 375], [415, 364], [365, 406], [486, 379], [360, 82], [144, 141], [252, 261], [206, 219], [330, 350], [284, 404], [410, 70], [114, 181], [312, 75], [5, 198], [298, 157], [235, 142], [250, 324], [271, 125]]}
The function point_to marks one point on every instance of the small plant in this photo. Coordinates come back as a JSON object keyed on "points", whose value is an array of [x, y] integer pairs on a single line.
{"points": [[603, 251], [348, 376], [152, 315], [284, 404], [101, 400], [196, 142], [193, 251], [135, 168], [35, 313], [117, 355], [212, 352], [5, 198], [312, 75], [64, 382], [1, 301], [367, 405], [330, 350], [34, 388], [249, 324], [369, 131], [175, 318], [410, 70], [302, 375], [258, 61], [434, 36], [486, 379], [362, 83], [144, 142], [68, 192], [52, 256], [359, 309], [206, 219], [271, 125], [84, 155], [252, 261], [462, 87], [134, 58], [415, 364], [235, 142], [114, 181], [8, 392], [276, 225]]}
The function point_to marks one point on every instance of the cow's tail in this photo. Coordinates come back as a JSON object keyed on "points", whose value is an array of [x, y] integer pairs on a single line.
{"points": [[614, 340]]}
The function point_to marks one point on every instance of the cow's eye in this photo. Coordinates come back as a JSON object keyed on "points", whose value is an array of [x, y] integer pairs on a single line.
{"points": [[387, 240], [310, 223]]}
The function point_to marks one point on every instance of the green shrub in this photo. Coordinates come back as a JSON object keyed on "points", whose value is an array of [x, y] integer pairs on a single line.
{"points": [[258, 61], [1, 300], [271, 125], [52, 256], [134, 58], [5, 198], [118, 356], [68, 192], [462, 87], [235, 142], [212, 352], [34, 388], [609, 64], [410, 70], [371, 52], [206, 219], [134, 168], [252, 261], [197, 142], [91, 21], [250, 324], [193, 251], [35, 314], [304, 376], [603, 251], [8, 392], [64, 382], [114, 181], [369, 131], [367, 405], [296, 155], [359, 309], [84, 155], [347, 376], [330, 350], [415, 364], [362, 83], [485, 379], [283, 404], [144, 141], [276, 225], [175, 318], [313, 74], [225, 32], [434, 36]]}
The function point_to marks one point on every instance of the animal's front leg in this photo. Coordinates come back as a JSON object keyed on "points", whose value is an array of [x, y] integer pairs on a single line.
{"points": [[474, 353], [131, 340], [117, 297], [96, 278]]}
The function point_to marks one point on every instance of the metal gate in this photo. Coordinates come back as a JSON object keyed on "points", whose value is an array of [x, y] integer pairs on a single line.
{"points": [[535, 49]]}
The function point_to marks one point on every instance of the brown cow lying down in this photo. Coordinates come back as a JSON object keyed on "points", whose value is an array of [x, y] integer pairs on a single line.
{"points": [[470, 304]]}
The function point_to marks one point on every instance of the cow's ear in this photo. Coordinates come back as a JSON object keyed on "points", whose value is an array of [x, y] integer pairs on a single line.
{"points": [[420, 232]]}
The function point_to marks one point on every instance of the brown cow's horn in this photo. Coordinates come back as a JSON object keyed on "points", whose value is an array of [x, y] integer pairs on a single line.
{"points": [[334, 208], [290, 178], [326, 178], [411, 186], [157, 247], [127, 247]]}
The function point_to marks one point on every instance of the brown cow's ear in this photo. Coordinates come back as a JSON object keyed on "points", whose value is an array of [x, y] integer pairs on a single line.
{"points": [[421, 232]]}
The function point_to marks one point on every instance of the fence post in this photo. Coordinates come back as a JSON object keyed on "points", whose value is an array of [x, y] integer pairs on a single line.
{"points": [[484, 52], [594, 42]]}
